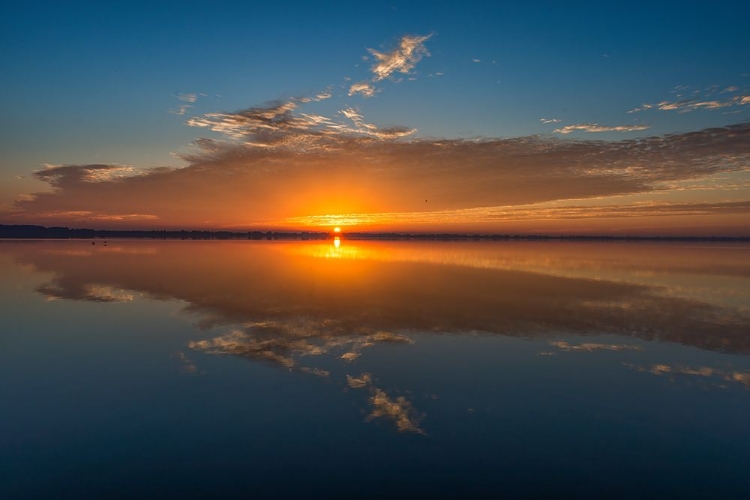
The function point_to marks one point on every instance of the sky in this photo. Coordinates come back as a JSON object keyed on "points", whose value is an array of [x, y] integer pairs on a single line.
{"points": [[597, 118]]}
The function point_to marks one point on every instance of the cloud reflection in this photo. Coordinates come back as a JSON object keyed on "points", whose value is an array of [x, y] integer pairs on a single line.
{"points": [[593, 346], [284, 343], [283, 302], [718, 376], [399, 409]]}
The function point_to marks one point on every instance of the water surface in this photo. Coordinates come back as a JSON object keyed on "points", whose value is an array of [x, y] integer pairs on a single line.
{"points": [[220, 369]]}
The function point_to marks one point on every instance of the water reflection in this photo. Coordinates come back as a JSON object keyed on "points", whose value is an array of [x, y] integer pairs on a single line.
{"points": [[286, 300], [716, 377], [288, 303], [398, 409], [465, 359]]}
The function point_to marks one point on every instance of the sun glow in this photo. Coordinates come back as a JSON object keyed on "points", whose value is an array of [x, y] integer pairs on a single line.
{"points": [[337, 230]]}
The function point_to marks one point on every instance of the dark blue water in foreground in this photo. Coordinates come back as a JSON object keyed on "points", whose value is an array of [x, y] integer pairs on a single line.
{"points": [[235, 369]]}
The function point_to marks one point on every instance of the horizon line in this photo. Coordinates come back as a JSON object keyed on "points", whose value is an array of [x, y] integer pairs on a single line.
{"points": [[32, 231]]}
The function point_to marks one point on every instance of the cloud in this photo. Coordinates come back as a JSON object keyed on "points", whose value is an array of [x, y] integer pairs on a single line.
{"points": [[595, 128], [533, 212], [402, 59], [276, 125], [322, 96], [530, 213], [187, 97], [550, 120], [692, 105], [476, 60], [121, 217], [183, 108], [362, 127], [643, 107], [364, 88], [698, 101], [64, 175], [275, 165]]}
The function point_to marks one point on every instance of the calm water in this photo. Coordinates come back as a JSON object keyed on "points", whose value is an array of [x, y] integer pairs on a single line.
{"points": [[242, 369]]}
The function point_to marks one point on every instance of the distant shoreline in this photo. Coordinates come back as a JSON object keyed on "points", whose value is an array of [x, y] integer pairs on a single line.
{"points": [[42, 232]]}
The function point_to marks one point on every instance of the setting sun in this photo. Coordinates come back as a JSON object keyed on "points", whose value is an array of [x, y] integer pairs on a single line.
{"points": [[336, 229]]}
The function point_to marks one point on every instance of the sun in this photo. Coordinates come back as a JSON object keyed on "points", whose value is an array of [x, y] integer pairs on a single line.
{"points": [[336, 229]]}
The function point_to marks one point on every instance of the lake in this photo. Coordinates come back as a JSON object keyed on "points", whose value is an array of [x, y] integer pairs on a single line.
{"points": [[372, 369]]}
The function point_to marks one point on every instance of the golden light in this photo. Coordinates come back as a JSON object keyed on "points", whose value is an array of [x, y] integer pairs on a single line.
{"points": [[337, 229], [337, 242]]}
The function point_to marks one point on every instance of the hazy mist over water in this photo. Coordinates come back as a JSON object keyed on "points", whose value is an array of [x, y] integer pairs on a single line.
{"points": [[216, 369]]}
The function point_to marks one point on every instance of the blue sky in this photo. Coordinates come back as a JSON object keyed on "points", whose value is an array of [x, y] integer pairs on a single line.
{"points": [[91, 83]]}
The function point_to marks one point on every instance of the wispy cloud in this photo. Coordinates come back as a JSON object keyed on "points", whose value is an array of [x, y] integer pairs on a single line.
{"points": [[62, 175], [595, 128], [364, 88], [402, 59], [535, 212], [189, 99], [685, 106], [699, 99], [550, 120], [322, 96], [372, 130], [643, 107], [180, 110], [277, 125]]}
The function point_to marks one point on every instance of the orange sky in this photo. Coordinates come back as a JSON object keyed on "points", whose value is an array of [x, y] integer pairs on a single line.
{"points": [[299, 175]]}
